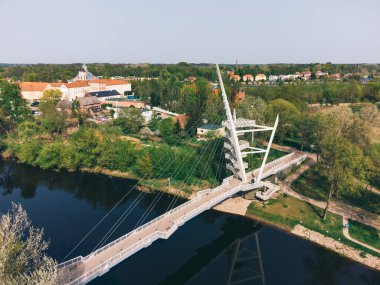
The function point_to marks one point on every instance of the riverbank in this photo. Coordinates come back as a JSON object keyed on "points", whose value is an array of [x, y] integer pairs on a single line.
{"points": [[298, 218]]}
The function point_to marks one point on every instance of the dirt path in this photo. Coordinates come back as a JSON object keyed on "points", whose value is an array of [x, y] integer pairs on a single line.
{"points": [[355, 254], [347, 236], [236, 206]]}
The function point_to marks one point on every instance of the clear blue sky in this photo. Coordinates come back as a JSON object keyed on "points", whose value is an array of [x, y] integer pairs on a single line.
{"points": [[169, 31]]}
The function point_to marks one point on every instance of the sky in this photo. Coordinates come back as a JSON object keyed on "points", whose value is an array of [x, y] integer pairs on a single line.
{"points": [[198, 31]]}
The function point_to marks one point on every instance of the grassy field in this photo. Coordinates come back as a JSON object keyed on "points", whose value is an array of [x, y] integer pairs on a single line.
{"points": [[286, 212], [365, 234], [312, 184]]}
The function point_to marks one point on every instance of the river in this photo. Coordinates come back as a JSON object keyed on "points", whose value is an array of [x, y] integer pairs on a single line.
{"points": [[210, 249]]}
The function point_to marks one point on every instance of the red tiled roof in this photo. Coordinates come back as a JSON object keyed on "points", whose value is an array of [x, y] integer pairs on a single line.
{"points": [[109, 82], [33, 86], [76, 84]]}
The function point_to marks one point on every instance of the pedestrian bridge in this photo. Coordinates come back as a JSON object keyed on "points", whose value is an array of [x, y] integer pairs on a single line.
{"points": [[81, 270]]}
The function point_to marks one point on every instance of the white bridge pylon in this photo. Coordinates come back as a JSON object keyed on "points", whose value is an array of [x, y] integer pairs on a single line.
{"points": [[239, 149]]}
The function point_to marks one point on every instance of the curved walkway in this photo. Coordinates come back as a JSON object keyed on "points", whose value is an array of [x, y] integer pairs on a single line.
{"points": [[347, 235]]}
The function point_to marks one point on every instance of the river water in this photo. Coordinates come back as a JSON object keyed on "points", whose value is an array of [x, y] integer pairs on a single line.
{"points": [[213, 248]]}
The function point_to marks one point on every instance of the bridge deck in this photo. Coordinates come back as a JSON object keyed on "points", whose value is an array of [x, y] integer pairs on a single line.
{"points": [[83, 270]]}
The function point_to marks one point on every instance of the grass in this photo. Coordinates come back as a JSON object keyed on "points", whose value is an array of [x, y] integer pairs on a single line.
{"points": [[365, 234], [312, 184], [255, 161], [286, 212]]}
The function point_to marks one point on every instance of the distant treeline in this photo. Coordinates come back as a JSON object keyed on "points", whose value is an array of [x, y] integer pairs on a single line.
{"points": [[182, 70]]}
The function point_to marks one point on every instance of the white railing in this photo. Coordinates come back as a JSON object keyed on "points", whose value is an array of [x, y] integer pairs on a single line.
{"points": [[105, 266], [69, 262]]}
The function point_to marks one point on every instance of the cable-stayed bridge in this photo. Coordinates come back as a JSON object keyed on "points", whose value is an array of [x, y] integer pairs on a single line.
{"points": [[81, 270]]}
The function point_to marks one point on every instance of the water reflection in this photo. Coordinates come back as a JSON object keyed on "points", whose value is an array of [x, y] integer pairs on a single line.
{"points": [[213, 248]]}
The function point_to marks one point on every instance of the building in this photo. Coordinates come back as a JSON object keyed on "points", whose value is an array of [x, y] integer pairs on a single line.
{"points": [[210, 130], [73, 90], [164, 114], [147, 114], [32, 91], [82, 84], [240, 96], [90, 104], [248, 77], [120, 86], [84, 74], [105, 95], [260, 77], [273, 78], [235, 77], [335, 76], [124, 102], [321, 74]]}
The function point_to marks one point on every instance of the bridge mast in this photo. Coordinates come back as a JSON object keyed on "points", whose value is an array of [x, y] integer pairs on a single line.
{"points": [[236, 159]]}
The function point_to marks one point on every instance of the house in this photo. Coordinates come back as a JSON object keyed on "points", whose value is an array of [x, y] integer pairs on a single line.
{"points": [[84, 74], [248, 77], [164, 114], [240, 96], [305, 75], [105, 95], [260, 77], [321, 74], [147, 114], [65, 106], [335, 76], [90, 104], [210, 130], [235, 77], [273, 78]]}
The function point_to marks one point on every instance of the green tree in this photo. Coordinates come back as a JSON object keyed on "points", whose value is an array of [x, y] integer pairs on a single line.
{"points": [[52, 120], [50, 156], [288, 114], [130, 121], [167, 131], [22, 251], [144, 165], [342, 164], [13, 107]]}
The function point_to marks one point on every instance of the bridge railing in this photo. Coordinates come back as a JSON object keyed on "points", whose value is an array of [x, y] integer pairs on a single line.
{"points": [[103, 267], [69, 262], [203, 192]]}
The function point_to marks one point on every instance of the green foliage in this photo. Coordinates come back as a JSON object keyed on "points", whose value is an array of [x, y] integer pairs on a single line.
{"points": [[50, 157], [168, 131], [12, 106], [288, 114], [130, 121], [51, 119], [28, 152], [144, 166], [117, 155]]}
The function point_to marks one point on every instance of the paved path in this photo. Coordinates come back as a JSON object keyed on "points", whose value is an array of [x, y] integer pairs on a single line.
{"points": [[347, 235], [336, 207]]}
